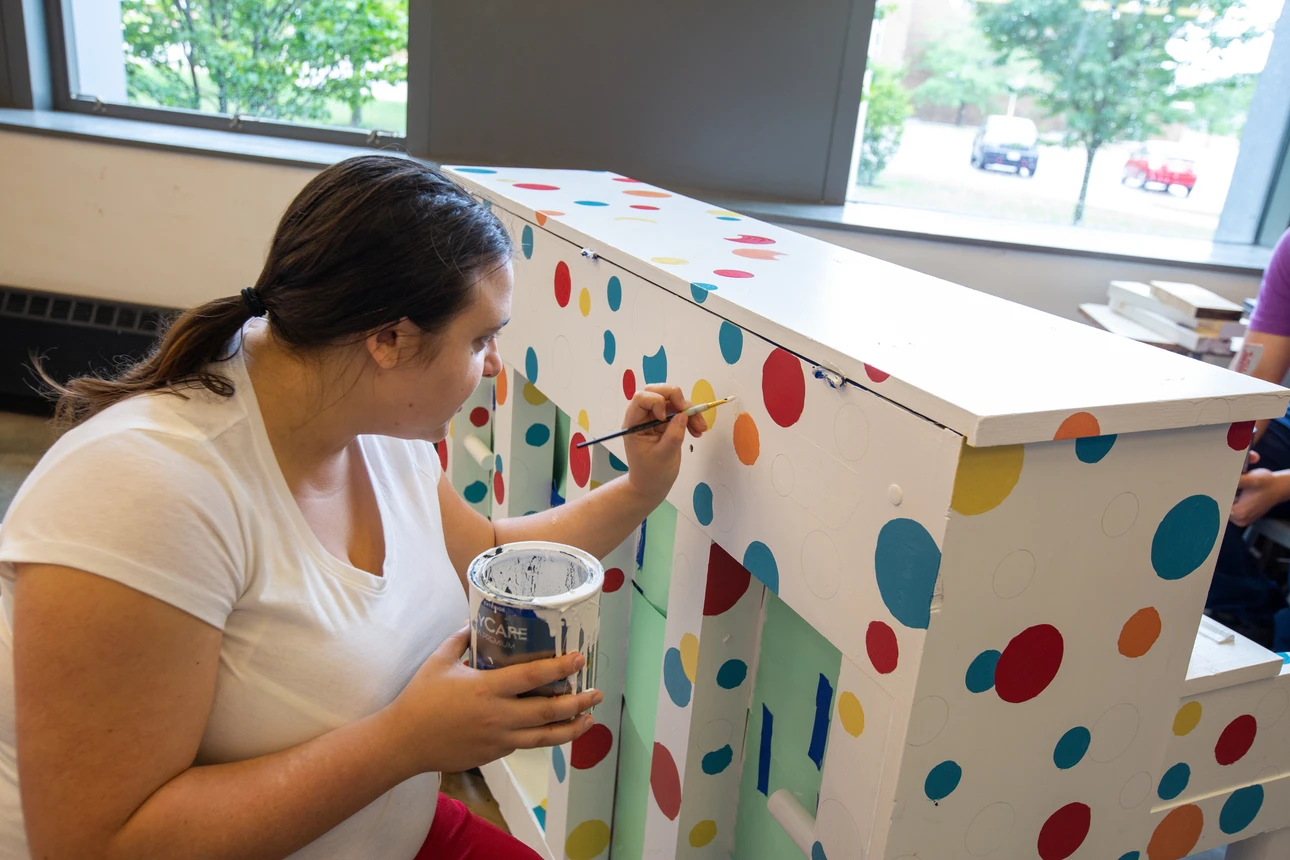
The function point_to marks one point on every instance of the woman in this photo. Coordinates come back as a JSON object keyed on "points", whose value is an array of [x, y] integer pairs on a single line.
{"points": [[234, 591]]}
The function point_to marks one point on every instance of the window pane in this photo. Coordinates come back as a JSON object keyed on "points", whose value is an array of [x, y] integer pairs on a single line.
{"points": [[992, 108], [322, 62]]}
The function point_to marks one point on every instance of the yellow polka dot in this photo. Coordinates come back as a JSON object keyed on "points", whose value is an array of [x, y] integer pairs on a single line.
{"points": [[690, 656], [587, 840], [1187, 718], [985, 477], [668, 261], [595, 485], [851, 714], [722, 212], [703, 833], [583, 421], [543, 803], [450, 428], [703, 393], [584, 302], [532, 395]]}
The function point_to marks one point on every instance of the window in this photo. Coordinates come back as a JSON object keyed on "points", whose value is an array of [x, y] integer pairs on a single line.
{"points": [[1126, 115], [315, 64]]}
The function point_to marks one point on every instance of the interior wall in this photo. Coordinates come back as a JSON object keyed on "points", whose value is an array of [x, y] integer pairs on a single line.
{"points": [[171, 229]]}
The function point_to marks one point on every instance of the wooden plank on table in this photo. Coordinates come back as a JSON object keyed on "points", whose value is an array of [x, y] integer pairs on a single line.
{"points": [[1108, 319], [1195, 301], [1224, 658]]}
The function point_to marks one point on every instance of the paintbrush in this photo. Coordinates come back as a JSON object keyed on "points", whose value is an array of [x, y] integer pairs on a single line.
{"points": [[693, 410]]}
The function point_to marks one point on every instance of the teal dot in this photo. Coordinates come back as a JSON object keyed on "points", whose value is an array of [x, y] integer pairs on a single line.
{"points": [[526, 242], [475, 492], [731, 674], [1185, 536], [655, 367], [731, 338], [498, 465], [718, 760], [942, 780], [1091, 449], [618, 465], [817, 850], [1071, 748], [537, 435], [474, 170], [557, 763], [611, 347], [727, 218], [1132, 855], [703, 504], [907, 562], [674, 681], [540, 814], [980, 673], [1174, 782], [530, 366], [700, 291], [1240, 809], [615, 291], [760, 562], [590, 203]]}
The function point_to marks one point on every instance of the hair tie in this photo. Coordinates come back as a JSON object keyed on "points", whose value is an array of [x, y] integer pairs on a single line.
{"points": [[253, 302]]}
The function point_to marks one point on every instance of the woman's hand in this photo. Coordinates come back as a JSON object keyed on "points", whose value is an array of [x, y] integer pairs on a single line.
{"points": [[1258, 491], [654, 456], [451, 718]]}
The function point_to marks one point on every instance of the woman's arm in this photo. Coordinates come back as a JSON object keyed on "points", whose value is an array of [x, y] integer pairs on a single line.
{"points": [[1273, 364], [113, 690]]}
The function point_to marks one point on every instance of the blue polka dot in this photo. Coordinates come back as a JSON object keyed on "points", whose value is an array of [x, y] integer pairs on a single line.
{"points": [[718, 760], [1185, 537], [530, 366], [703, 504], [980, 674], [817, 852], [1071, 748], [590, 203], [700, 291], [1091, 449], [475, 492], [1240, 810], [731, 338], [540, 814], [655, 367], [611, 347], [615, 291], [618, 465], [727, 218], [526, 242], [475, 170], [760, 562], [498, 466], [1174, 782], [907, 561], [674, 681], [1132, 855], [557, 763], [537, 435], [942, 780], [731, 674]]}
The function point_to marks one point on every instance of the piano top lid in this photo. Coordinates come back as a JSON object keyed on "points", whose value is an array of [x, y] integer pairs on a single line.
{"points": [[995, 371]]}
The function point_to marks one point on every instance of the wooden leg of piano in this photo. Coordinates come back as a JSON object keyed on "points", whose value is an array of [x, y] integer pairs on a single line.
{"points": [[1273, 845]]}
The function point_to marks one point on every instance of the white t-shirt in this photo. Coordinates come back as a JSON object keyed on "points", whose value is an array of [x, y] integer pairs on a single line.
{"points": [[183, 500]]}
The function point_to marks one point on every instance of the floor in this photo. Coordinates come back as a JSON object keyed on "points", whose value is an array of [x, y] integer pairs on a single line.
{"points": [[23, 438]]}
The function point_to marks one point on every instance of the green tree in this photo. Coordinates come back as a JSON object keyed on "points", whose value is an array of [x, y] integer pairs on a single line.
{"points": [[886, 109], [1220, 108], [1107, 69], [965, 71], [280, 60]]}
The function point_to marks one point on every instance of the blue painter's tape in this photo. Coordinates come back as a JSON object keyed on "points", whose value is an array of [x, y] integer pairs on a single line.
{"points": [[820, 733], [763, 759]]}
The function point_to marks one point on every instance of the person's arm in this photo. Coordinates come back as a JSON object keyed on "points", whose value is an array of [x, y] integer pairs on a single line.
{"points": [[602, 519], [1273, 364], [113, 690]]}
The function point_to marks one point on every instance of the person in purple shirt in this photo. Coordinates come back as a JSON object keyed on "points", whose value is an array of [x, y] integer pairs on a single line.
{"points": [[1241, 595]]}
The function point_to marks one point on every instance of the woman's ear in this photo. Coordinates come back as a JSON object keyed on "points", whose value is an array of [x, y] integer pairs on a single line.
{"points": [[395, 344]]}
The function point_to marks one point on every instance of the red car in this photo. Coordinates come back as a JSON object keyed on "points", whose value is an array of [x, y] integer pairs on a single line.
{"points": [[1161, 163]]}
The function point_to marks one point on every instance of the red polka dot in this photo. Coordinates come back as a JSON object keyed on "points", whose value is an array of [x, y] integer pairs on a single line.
{"points": [[499, 488], [1236, 740], [591, 749], [579, 460], [783, 387], [1028, 663], [745, 239], [643, 206], [665, 781], [875, 374], [1064, 831], [563, 284], [727, 582], [732, 273], [442, 447], [629, 384], [624, 179], [614, 579], [884, 651], [1239, 435], [536, 186], [479, 416]]}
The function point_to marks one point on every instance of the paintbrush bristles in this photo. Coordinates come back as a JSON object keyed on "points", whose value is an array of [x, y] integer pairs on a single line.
{"points": [[689, 413]]}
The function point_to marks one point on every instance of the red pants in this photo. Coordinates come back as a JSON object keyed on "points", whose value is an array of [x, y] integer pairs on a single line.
{"points": [[457, 834]]}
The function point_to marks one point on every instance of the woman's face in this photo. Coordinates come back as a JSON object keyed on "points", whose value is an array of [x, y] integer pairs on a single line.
{"points": [[417, 398]]}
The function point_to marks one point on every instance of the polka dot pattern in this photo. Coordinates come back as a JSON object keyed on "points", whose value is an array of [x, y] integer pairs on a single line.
{"points": [[851, 713], [610, 350], [579, 460], [1029, 663], [587, 841], [703, 504], [557, 763], [678, 686], [1236, 740], [665, 782], [1174, 782], [1185, 537], [882, 647], [760, 562], [1240, 809], [1239, 435], [783, 387], [747, 440], [980, 672], [942, 780], [731, 340], [986, 477], [530, 365], [907, 561], [563, 285], [703, 833], [592, 747], [1071, 747], [728, 581], [732, 673], [655, 367], [1176, 834], [614, 580], [1187, 718], [718, 760], [1064, 831], [1139, 633]]}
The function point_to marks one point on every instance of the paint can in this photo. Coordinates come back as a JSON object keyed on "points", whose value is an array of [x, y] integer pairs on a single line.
{"points": [[534, 600]]}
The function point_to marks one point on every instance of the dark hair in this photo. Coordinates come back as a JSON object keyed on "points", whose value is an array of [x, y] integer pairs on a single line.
{"points": [[369, 241]]}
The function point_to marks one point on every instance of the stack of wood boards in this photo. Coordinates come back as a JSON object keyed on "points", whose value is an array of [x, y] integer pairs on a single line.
{"points": [[1184, 317]]}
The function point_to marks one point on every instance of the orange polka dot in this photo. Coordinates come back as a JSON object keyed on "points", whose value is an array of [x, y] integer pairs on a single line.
{"points": [[1140, 632], [747, 440], [1176, 834], [1078, 426], [636, 193], [501, 386]]}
